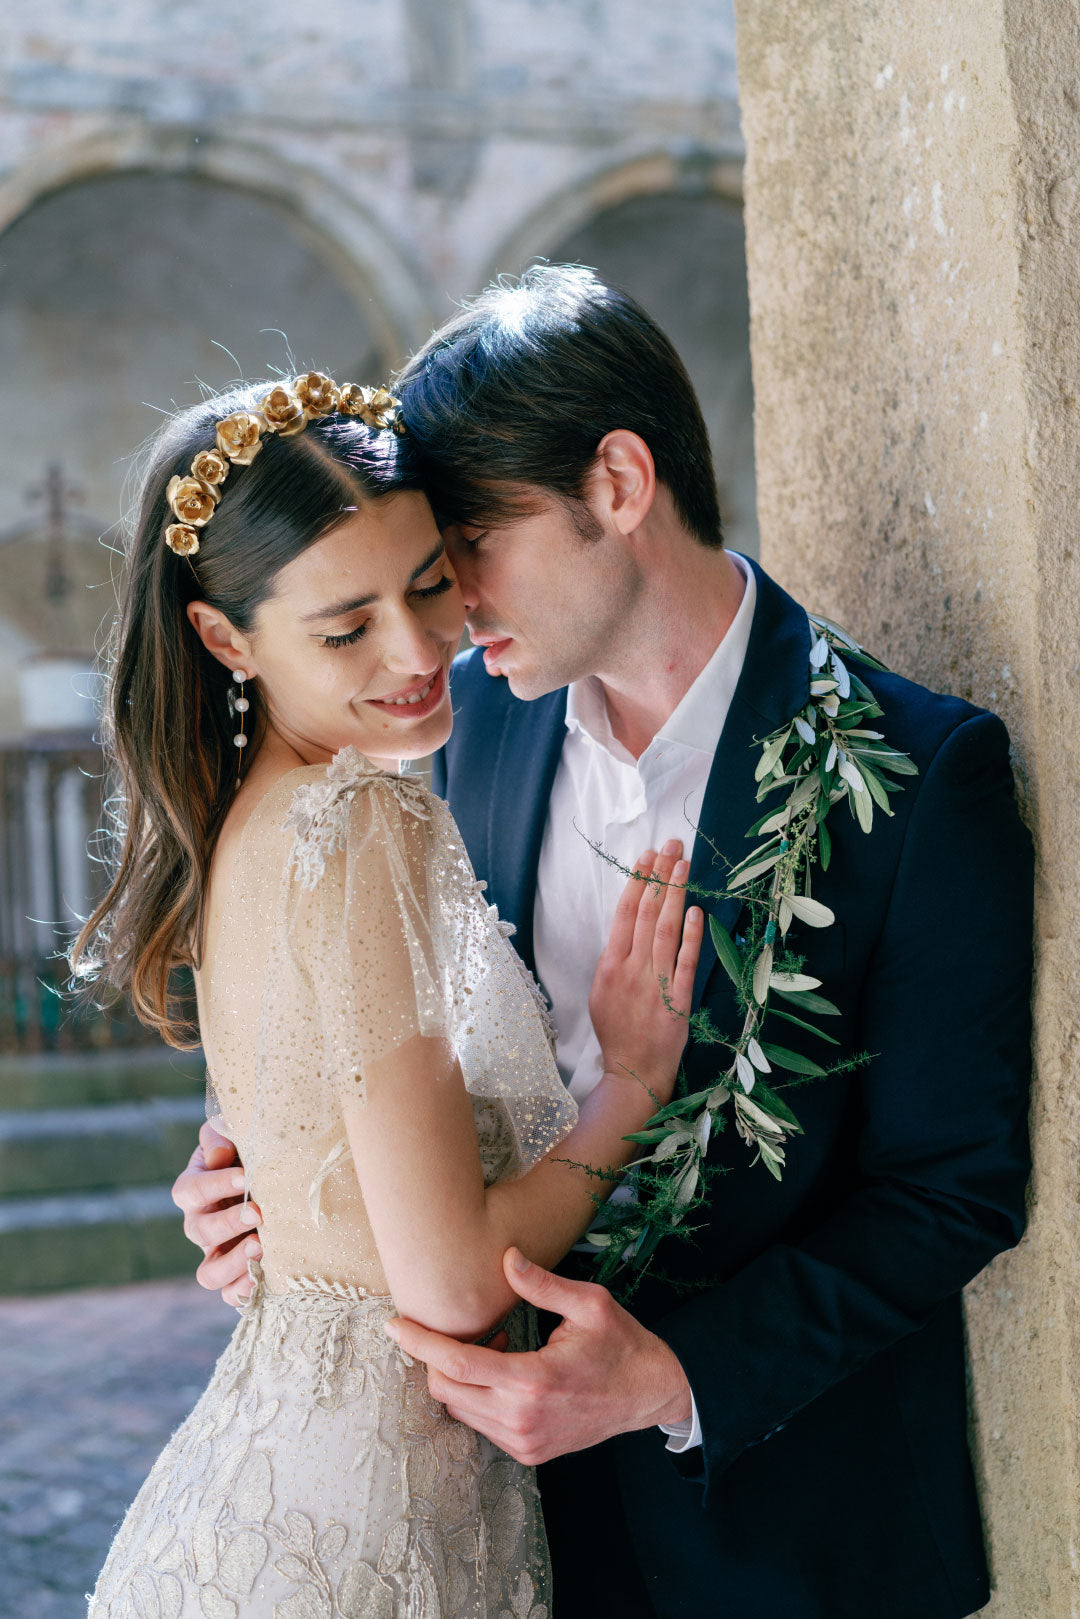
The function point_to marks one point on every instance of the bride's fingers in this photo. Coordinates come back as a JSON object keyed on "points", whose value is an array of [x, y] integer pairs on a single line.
{"points": [[682, 979], [652, 902], [669, 923], [621, 937]]}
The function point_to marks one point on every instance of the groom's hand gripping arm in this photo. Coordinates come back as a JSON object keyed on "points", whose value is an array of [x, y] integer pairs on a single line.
{"points": [[600, 1373], [209, 1194]]}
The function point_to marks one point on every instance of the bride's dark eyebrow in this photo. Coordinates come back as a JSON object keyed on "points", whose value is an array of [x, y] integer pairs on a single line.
{"points": [[339, 609]]}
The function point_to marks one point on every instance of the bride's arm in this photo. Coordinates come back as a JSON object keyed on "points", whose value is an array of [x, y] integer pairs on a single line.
{"points": [[440, 1233]]}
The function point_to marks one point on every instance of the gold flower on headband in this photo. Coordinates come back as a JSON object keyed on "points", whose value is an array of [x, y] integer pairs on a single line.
{"points": [[191, 501], [239, 437], [317, 393], [211, 468], [376, 407], [182, 539], [351, 398], [285, 410], [284, 413]]}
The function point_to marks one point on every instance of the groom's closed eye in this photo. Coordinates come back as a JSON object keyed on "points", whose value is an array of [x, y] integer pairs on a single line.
{"points": [[462, 537]]}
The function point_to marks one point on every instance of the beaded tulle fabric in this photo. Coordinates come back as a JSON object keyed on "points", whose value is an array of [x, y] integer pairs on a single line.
{"points": [[317, 1478]]}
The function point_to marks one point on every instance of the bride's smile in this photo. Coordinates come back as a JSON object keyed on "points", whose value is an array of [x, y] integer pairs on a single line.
{"points": [[353, 646]]}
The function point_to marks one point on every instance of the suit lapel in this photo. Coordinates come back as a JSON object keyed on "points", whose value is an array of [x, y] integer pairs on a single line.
{"points": [[526, 762], [773, 686]]}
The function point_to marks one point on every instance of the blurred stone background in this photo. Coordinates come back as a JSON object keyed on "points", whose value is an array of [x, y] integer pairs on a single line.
{"points": [[186, 196]]}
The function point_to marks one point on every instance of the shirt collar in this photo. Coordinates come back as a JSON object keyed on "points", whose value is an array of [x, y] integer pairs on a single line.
{"points": [[698, 719]]}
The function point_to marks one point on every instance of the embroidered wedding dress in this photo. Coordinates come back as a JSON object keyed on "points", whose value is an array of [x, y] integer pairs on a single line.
{"points": [[317, 1478]]}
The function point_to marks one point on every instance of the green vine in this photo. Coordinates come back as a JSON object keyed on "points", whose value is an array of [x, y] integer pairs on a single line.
{"points": [[826, 754]]}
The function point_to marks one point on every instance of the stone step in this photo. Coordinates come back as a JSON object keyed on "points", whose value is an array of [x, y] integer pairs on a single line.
{"points": [[77, 1079], [92, 1239], [81, 1149]]}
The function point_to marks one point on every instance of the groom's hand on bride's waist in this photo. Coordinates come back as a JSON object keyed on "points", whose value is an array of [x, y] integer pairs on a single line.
{"points": [[600, 1373], [209, 1192]]}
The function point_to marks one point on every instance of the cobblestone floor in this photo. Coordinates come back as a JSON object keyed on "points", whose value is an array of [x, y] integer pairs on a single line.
{"points": [[91, 1385]]}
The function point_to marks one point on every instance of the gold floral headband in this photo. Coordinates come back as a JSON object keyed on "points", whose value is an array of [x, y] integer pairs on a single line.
{"points": [[285, 410]]}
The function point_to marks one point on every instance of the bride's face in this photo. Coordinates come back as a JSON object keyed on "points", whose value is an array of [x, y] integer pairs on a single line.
{"points": [[354, 645]]}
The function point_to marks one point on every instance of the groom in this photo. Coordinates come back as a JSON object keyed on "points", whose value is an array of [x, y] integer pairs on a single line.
{"points": [[805, 1352]]}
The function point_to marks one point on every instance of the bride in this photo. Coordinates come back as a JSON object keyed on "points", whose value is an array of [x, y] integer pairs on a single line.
{"points": [[374, 1047]]}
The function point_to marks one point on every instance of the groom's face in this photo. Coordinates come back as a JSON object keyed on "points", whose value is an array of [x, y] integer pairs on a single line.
{"points": [[543, 600]]}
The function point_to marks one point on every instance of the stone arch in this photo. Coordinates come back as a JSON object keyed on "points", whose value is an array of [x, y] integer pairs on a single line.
{"points": [[689, 171], [614, 221], [356, 246]]}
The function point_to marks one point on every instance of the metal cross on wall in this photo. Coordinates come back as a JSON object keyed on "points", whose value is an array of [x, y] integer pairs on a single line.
{"points": [[59, 496]]}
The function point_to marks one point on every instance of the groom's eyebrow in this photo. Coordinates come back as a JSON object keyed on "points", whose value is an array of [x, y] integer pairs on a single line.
{"points": [[339, 609]]}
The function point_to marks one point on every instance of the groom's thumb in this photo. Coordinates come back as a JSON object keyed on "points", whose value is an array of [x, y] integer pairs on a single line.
{"points": [[544, 1289]]}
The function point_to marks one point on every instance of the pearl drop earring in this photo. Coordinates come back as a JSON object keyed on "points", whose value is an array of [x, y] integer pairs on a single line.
{"points": [[238, 704]]}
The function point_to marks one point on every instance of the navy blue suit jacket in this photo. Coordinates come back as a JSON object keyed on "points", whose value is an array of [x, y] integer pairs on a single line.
{"points": [[818, 1320]]}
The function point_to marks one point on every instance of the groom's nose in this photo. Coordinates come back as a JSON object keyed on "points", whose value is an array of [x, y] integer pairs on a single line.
{"points": [[470, 595], [461, 559]]}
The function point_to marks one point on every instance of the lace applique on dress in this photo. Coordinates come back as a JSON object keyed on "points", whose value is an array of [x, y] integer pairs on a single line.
{"points": [[318, 1479], [319, 812]]}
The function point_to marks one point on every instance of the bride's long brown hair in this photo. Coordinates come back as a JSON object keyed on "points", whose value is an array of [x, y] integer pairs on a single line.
{"points": [[167, 729]]}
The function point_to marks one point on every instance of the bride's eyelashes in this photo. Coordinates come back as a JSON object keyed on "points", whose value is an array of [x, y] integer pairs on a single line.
{"points": [[444, 584], [352, 636], [346, 640]]}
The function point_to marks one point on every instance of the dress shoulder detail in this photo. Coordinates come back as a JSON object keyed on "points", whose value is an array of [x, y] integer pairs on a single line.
{"points": [[320, 809]]}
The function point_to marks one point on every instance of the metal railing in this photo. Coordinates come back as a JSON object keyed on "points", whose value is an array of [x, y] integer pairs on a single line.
{"points": [[51, 805]]}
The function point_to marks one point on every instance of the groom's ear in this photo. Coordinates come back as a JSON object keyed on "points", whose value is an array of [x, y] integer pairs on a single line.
{"points": [[623, 483]]}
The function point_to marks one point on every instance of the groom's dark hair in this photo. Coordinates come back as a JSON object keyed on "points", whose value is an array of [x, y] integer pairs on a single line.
{"points": [[521, 385]]}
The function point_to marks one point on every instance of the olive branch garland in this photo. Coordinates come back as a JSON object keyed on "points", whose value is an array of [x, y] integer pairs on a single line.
{"points": [[825, 754]]}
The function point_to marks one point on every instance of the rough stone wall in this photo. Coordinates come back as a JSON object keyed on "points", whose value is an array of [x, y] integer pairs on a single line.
{"points": [[912, 224]]}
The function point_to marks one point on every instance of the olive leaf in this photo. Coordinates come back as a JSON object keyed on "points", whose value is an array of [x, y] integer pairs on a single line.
{"points": [[762, 975], [726, 951], [790, 981], [810, 1002], [793, 1061], [789, 1017], [810, 911]]}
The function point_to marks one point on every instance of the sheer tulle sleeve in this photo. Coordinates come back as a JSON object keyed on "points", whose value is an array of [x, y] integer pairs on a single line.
{"points": [[383, 933], [359, 924]]}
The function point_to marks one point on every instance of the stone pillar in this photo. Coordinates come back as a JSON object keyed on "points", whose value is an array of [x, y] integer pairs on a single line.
{"points": [[913, 226]]}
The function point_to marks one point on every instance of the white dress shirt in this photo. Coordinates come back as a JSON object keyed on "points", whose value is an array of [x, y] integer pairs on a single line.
{"points": [[625, 805]]}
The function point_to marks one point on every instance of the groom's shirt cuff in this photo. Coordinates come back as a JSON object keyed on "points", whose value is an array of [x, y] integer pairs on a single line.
{"points": [[684, 1435]]}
